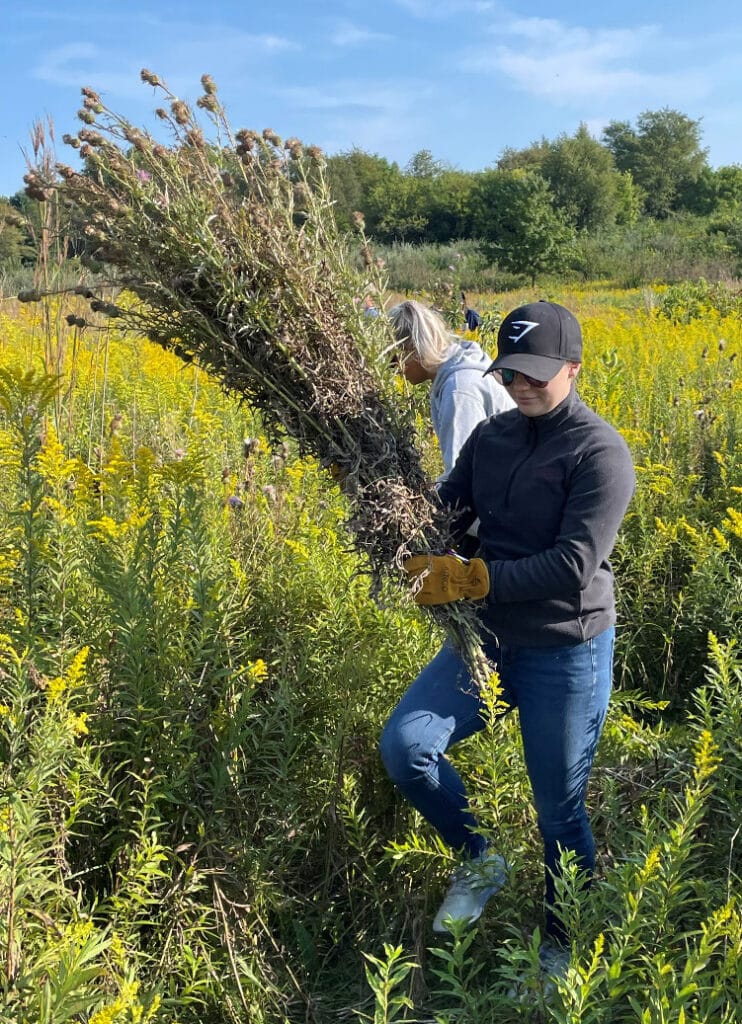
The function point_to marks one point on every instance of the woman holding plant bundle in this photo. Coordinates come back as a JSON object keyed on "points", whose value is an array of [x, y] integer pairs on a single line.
{"points": [[550, 482], [461, 394]]}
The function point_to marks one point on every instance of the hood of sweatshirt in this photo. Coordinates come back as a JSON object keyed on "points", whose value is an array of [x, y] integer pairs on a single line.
{"points": [[468, 355]]}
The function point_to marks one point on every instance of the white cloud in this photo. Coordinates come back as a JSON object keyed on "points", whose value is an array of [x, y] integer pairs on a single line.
{"points": [[346, 34], [596, 125], [389, 97], [79, 64], [388, 118], [215, 51], [437, 10], [567, 64]]}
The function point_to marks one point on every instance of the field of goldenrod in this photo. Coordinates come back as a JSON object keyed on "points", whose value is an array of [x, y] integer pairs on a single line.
{"points": [[194, 824]]}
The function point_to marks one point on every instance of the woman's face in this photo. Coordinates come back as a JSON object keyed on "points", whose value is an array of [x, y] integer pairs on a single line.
{"points": [[411, 368], [538, 401]]}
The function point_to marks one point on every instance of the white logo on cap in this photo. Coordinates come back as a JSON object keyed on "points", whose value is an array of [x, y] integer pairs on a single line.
{"points": [[525, 327]]}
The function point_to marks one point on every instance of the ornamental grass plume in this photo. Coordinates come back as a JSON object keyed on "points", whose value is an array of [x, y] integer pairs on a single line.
{"points": [[230, 246]]}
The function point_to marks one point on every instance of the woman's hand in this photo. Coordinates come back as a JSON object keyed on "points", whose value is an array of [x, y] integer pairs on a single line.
{"points": [[440, 579]]}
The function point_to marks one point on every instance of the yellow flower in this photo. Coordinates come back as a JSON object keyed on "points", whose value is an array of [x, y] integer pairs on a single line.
{"points": [[118, 950], [107, 1015], [52, 462], [734, 522], [297, 548], [720, 539], [55, 689], [706, 756], [258, 670], [651, 866], [72, 678], [77, 724]]}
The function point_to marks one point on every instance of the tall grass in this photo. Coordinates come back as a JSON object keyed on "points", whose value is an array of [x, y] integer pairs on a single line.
{"points": [[194, 822]]}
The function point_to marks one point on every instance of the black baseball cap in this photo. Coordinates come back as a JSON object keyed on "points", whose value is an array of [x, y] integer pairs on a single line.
{"points": [[538, 339]]}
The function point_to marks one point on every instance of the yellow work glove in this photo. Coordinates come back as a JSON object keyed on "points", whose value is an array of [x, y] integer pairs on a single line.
{"points": [[447, 578]]}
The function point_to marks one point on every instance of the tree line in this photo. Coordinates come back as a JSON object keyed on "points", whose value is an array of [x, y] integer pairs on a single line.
{"points": [[557, 206], [530, 209]]}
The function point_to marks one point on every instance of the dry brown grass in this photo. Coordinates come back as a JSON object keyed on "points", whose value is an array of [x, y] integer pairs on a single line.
{"points": [[227, 246]]}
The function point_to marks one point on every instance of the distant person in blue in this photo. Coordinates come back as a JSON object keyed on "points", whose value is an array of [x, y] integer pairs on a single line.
{"points": [[472, 318], [369, 309], [461, 395]]}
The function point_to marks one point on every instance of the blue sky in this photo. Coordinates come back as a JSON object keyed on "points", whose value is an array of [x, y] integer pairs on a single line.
{"points": [[462, 78]]}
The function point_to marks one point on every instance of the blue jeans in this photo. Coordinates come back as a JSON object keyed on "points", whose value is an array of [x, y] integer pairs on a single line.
{"points": [[561, 694]]}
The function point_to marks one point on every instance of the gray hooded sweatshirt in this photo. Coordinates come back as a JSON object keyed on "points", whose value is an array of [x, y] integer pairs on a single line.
{"points": [[461, 396]]}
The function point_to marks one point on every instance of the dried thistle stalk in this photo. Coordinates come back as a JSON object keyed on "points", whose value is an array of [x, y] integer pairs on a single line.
{"points": [[231, 247]]}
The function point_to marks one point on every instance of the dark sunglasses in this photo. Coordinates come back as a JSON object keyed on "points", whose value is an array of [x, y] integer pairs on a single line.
{"points": [[507, 377]]}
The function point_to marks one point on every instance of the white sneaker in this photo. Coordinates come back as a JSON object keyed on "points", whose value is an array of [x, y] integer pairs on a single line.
{"points": [[553, 958], [472, 884], [553, 961]]}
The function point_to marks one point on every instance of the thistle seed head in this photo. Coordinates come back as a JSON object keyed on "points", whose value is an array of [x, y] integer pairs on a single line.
{"points": [[37, 192], [195, 137], [208, 84], [246, 138], [270, 136], [181, 112], [136, 138], [208, 102], [94, 138], [148, 77]]}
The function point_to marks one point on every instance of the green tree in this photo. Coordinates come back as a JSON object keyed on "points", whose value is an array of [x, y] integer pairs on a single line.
{"points": [[629, 199], [451, 212], [663, 155], [529, 159], [353, 178], [515, 218], [424, 165], [700, 196], [404, 206], [583, 179], [729, 186]]}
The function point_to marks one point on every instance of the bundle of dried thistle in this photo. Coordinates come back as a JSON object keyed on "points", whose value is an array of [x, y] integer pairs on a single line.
{"points": [[229, 243]]}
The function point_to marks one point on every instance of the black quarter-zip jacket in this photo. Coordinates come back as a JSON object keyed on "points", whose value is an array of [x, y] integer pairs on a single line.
{"points": [[550, 493]]}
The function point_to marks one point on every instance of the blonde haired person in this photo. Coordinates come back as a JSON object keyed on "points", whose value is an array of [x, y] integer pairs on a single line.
{"points": [[461, 395]]}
